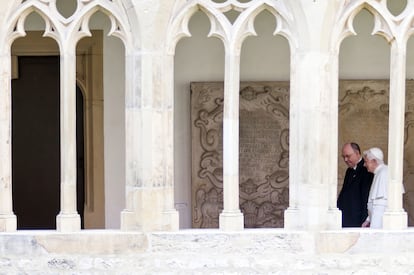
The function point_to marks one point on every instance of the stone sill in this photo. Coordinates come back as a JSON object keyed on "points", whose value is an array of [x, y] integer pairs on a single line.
{"points": [[103, 242]]}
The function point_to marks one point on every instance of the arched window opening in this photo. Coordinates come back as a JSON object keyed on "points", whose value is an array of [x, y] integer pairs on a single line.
{"points": [[363, 110], [35, 128], [264, 126], [104, 61], [91, 89], [198, 189]]}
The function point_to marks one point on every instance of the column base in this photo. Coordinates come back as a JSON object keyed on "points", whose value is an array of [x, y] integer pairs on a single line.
{"points": [[334, 219], [68, 223], [8, 223], [395, 220], [292, 219], [231, 221], [129, 221], [171, 219]]}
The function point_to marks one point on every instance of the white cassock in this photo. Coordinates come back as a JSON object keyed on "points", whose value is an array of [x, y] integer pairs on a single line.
{"points": [[377, 199]]}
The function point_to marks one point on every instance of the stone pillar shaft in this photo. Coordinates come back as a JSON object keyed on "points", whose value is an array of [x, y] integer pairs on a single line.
{"points": [[8, 220], [149, 144], [68, 218], [395, 217], [334, 218], [231, 218], [313, 121], [170, 214], [134, 150]]}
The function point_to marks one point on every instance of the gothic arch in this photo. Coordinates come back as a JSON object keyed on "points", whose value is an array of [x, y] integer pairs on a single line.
{"points": [[231, 34], [406, 18], [77, 24], [66, 32], [18, 19], [384, 21]]}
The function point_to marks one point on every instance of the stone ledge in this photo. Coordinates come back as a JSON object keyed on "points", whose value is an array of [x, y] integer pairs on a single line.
{"points": [[125, 242], [251, 251]]}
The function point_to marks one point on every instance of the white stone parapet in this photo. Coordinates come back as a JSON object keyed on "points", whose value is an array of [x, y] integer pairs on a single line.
{"points": [[252, 251]]}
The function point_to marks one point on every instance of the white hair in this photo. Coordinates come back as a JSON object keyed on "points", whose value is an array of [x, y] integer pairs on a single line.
{"points": [[374, 153]]}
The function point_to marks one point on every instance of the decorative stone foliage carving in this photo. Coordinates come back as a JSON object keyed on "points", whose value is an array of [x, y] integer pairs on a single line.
{"points": [[263, 159], [363, 118], [264, 153]]}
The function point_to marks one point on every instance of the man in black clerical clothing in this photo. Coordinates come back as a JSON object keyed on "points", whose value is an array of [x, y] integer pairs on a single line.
{"points": [[352, 199]]}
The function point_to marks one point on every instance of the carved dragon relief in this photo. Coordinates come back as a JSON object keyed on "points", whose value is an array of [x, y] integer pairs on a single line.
{"points": [[264, 153]]}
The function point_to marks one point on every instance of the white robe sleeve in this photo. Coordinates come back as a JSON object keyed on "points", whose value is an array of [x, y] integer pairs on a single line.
{"points": [[376, 217], [378, 197]]}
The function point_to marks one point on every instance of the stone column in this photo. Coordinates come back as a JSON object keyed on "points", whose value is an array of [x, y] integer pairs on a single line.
{"points": [[68, 219], [395, 217], [8, 221], [231, 217], [334, 218], [313, 136], [133, 124], [313, 117], [149, 139], [170, 214]]}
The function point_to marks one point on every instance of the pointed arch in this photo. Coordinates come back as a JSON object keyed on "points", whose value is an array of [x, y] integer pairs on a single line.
{"points": [[73, 28], [179, 25], [119, 27], [384, 21], [18, 19], [244, 24], [221, 26]]}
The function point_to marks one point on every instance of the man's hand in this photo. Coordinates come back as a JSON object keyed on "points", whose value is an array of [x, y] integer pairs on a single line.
{"points": [[365, 224]]}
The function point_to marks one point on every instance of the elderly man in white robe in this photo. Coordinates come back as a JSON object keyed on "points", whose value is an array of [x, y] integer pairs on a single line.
{"points": [[377, 198]]}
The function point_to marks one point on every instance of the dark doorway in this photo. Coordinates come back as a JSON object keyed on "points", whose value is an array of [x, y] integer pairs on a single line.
{"points": [[36, 143]]}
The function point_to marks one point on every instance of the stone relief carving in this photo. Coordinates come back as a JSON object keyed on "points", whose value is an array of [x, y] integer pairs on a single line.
{"points": [[263, 159], [408, 179], [363, 118], [264, 148]]}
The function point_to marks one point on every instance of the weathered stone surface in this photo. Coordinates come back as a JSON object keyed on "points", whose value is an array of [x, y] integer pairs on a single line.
{"points": [[263, 153], [363, 118], [264, 145], [211, 251]]}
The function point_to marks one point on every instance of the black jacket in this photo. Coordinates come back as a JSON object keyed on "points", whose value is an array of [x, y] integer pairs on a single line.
{"points": [[352, 199]]}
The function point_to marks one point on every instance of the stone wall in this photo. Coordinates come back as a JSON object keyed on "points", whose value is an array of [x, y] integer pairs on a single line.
{"points": [[263, 159], [208, 251], [363, 118]]}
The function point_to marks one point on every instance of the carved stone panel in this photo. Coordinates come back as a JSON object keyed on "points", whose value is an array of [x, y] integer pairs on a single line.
{"points": [[263, 153], [363, 118]]}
